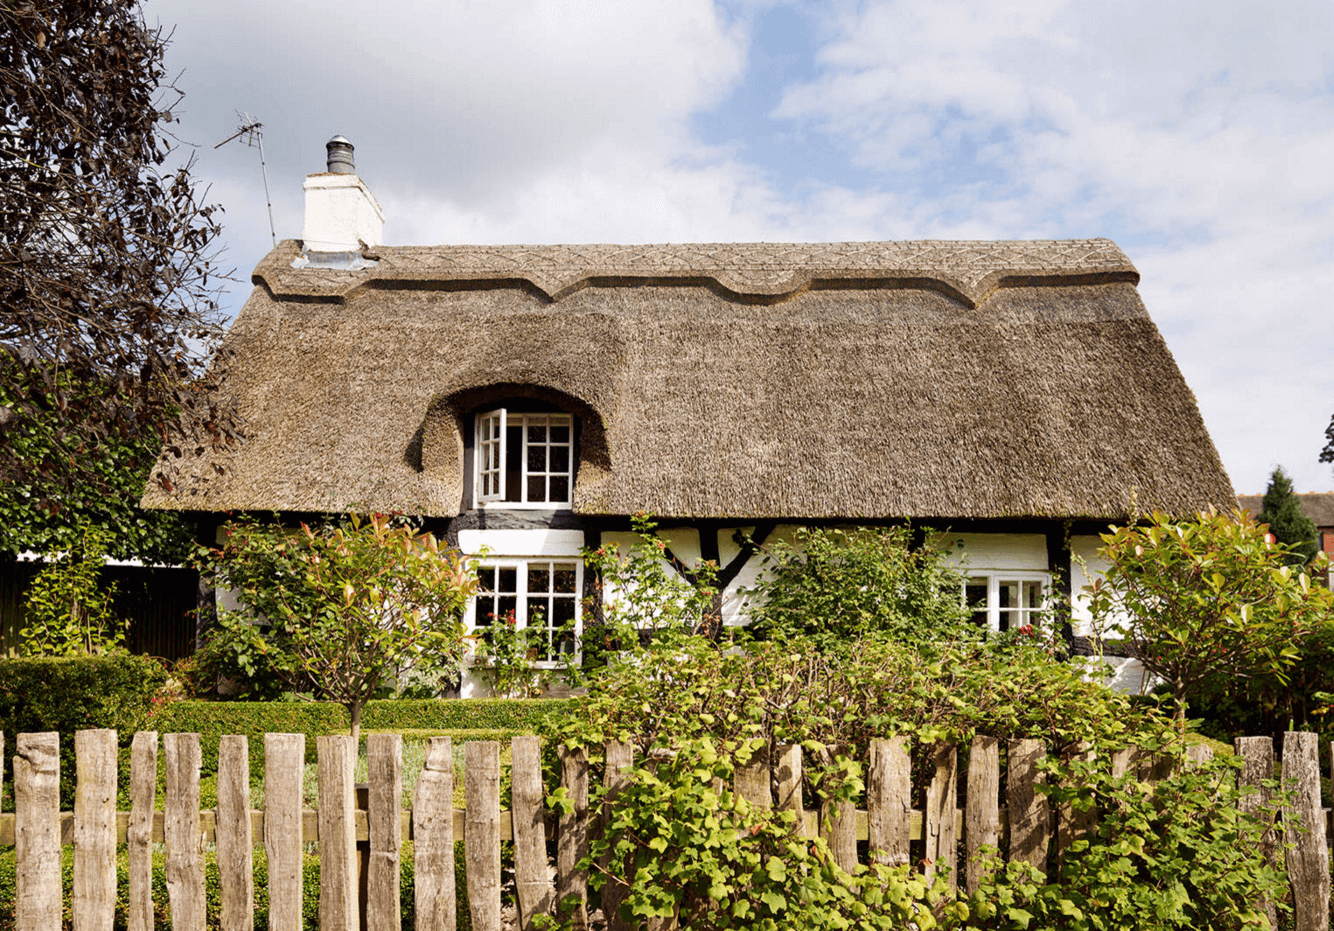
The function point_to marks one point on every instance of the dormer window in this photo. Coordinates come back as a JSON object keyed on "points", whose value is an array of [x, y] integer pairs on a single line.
{"points": [[524, 459]]}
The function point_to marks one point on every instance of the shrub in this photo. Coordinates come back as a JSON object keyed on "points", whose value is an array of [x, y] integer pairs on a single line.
{"points": [[836, 586], [67, 694], [1206, 601]]}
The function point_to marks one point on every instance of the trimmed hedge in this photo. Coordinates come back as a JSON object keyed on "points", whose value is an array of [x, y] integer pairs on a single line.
{"points": [[70, 694], [212, 719], [523, 715]]}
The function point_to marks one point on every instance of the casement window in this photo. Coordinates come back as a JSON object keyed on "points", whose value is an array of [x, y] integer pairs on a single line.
{"points": [[533, 594], [1006, 600], [524, 459]]}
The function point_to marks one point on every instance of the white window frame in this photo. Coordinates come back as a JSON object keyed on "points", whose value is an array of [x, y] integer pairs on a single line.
{"points": [[522, 597], [490, 453], [997, 577]]}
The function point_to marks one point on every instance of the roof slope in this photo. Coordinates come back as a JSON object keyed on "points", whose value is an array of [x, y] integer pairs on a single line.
{"points": [[1318, 506], [850, 380]]}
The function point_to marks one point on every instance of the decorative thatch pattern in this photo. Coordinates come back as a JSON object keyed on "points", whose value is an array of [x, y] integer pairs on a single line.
{"points": [[968, 271], [874, 390]]}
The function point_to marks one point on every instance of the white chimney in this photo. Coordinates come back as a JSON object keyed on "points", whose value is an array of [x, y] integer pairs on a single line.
{"points": [[341, 213]]}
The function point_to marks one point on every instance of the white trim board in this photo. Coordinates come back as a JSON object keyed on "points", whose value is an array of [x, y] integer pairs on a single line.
{"points": [[522, 542]]}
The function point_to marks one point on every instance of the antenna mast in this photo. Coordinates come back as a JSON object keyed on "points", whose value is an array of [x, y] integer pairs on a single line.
{"points": [[251, 134]]}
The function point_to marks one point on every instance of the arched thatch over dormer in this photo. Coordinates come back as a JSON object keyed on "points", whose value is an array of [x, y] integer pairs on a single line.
{"points": [[449, 423]]}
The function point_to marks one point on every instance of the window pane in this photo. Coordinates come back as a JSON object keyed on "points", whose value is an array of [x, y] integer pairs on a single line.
{"points": [[560, 488], [560, 433], [539, 579], [506, 606], [537, 432], [486, 578], [508, 579], [975, 597], [1032, 594], [560, 459], [565, 579], [562, 611], [537, 458], [537, 488]]}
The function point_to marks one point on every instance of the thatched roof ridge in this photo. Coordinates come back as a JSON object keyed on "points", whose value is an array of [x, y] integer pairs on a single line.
{"points": [[1319, 506], [878, 389], [968, 271]]}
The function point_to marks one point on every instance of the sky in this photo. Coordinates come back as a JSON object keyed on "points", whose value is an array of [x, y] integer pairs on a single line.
{"points": [[1199, 136]]}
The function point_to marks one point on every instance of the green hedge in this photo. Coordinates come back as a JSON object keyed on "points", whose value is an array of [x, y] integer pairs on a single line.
{"points": [[523, 715], [212, 894], [254, 719], [70, 694], [212, 719]]}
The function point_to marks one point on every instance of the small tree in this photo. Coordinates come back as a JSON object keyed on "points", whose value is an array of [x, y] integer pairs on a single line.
{"points": [[346, 610], [1205, 599], [1282, 511]]}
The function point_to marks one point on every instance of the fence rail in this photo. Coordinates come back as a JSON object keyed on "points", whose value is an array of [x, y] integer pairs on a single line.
{"points": [[895, 832]]}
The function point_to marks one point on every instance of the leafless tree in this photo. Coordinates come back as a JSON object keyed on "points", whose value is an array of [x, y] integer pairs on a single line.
{"points": [[108, 317]]}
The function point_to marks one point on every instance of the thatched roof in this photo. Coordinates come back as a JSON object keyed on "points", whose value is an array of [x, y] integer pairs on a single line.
{"points": [[1319, 506], [849, 380]]}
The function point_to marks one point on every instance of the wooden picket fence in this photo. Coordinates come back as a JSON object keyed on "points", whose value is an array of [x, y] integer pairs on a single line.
{"points": [[38, 828]]}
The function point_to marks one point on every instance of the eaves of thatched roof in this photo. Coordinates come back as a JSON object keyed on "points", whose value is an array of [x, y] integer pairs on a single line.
{"points": [[847, 380], [1318, 506]]}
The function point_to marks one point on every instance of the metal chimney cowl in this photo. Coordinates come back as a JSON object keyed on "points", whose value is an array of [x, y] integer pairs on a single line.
{"points": [[342, 216]]}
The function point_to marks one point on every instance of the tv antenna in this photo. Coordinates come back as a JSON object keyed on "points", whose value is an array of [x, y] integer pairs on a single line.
{"points": [[251, 133]]}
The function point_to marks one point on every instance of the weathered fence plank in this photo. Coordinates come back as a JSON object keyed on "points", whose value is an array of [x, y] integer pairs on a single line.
{"points": [[939, 824], [1257, 755], [752, 780], [37, 905], [981, 824], [339, 909], [185, 839], [615, 778], [1124, 760], [1304, 829], [572, 836], [139, 831], [284, 762], [93, 903], [384, 808], [1198, 755], [787, 779], [532, 871], [236, 874], [481, 834], [889, 801], [433, 839], [1029, 817], [1071, 822]]}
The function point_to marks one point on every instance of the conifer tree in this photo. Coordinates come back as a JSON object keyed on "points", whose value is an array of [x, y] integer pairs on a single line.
{"points": [[1282, 511]]}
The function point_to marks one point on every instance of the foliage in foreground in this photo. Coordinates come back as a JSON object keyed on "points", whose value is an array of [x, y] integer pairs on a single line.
{"points": [[681, 844], [1177, 853], [346, 610]]}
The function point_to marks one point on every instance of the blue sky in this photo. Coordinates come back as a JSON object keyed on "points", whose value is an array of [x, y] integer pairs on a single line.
{"points": [[1197, 135]]}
